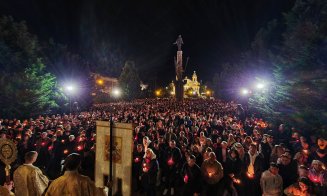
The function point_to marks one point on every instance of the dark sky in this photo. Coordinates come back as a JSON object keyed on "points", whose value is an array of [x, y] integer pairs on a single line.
{"points": [[214, 32]]}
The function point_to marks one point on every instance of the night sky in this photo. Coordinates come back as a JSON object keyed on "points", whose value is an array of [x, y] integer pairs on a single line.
{"points": [[214, 32]]}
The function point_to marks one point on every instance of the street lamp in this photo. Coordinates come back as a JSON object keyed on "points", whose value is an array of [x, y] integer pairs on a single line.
{"points": [[158, 93], [70, 89], [100, 82], [260, 86], [245, 91], [116, 92]]}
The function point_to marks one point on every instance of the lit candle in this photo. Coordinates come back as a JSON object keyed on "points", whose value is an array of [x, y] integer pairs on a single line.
{"points": [[316, 180], [65, 151], [210, 174], [62, 141], [50, 147], [236, 181], [186, 178], [79, 148], [137, 160], [145, 168], [250, 175], [306, 152], [170, 161], [43, 144]]}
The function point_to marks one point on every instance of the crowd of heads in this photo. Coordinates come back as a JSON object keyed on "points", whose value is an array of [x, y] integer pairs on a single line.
{"points": [[199, 129]]}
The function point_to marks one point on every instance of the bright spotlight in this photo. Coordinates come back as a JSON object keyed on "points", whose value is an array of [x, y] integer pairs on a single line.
{"points": [[116, 92], [260, 86], [70, 88], [245, 91]]}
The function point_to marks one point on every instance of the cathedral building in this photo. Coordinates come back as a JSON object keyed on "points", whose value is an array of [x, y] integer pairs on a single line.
{"points": [[191, 86]]}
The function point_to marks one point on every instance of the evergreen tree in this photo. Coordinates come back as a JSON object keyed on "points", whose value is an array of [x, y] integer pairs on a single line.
{"points": [[129, 81], [298, 91], [26, 88]]}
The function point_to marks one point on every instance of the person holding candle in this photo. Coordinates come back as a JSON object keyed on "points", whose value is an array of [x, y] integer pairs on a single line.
{"points": [[136, 166], [192, 178], [253, 168], [173, 159], [212, 172], [303, 187], [149, 169], [42, 148], [317, 174]]}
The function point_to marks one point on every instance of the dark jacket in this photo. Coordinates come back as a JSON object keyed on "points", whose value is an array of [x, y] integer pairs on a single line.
{"points": [[149, 178], [258, 165], [192, 178]]}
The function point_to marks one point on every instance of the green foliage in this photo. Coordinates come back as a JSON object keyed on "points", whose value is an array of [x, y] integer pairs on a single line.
{"points": [[27, 89], [129, 81], [28, 93], [298, 90], [18, 47]]}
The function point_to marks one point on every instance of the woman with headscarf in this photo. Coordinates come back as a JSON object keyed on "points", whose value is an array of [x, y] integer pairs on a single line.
{"points": [[149, 172]]}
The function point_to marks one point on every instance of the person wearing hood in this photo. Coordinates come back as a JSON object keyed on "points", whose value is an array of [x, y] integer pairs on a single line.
{"points": [[149, 172]]}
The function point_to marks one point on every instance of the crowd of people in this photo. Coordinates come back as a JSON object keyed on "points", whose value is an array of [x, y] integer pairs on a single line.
{"points": [[194, 147]]}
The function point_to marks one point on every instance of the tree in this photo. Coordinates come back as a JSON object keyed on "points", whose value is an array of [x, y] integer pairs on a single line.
{"points": [[129, 81], [26, 88], [29, 93], [298, 91]]}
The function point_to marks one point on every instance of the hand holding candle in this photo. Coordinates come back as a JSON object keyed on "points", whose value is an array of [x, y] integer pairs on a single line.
{"points": [[170, 162], [250, 175], [186, 178]]}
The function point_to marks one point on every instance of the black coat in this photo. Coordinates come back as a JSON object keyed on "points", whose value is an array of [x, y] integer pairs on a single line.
{"points": [[233, 167], [175, 155], [258, 165], [149, 178], [192, 178]]}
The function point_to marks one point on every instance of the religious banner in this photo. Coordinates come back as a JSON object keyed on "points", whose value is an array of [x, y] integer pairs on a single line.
{"points": [[121, 155], [8, 154]]}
